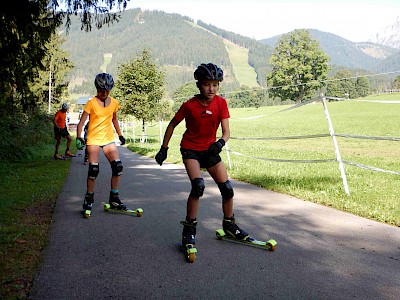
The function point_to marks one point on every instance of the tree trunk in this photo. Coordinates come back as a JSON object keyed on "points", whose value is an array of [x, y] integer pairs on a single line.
{"points": [[143, 137]]}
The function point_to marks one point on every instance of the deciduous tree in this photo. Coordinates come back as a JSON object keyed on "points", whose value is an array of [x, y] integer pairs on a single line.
{"points": [[184, 93], [396, 83], [298, 67], [26, 27], [140, 87]]}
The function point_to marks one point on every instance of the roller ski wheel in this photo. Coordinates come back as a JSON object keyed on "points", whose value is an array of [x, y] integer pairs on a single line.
{"points": [[137, 212], [269, 245], [189, 239], [87, 213], [87, 205], [190, 252]]}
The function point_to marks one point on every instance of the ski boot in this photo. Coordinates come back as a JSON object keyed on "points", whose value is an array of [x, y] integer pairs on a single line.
{"points": [[115, 205], [233, 233], [87, 205], [115, 202], [189, 239], [231, 228]]}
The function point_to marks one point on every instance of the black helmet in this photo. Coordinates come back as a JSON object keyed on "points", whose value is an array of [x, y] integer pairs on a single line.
{"points": [[104, 81], [209, 71]]}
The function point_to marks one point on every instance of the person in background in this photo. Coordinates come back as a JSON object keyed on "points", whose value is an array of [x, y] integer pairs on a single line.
{"points": [[102, 113], [61, 131], [203, 114]]}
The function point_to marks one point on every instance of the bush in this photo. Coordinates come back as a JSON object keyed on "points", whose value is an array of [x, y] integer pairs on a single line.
{"points": [[23, 134]]}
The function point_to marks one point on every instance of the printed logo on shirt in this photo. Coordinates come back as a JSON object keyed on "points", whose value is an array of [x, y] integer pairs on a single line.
{"points": [[206, 114]]}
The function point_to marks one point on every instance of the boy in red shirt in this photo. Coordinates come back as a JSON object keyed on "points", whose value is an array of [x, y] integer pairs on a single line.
{"points": [[203, 114], [61, 131]]}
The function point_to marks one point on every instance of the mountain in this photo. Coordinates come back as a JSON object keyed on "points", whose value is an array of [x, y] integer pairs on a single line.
{"points": [[389, 36], [178, 45], [342, 52]]}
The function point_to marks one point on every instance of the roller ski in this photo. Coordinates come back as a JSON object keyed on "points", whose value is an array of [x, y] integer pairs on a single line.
{"points": [[87, 205], [115, 205], [233, 233], [189, 239], [66, 156]]}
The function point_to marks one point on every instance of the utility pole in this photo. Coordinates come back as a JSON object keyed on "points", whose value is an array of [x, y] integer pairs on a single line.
{"points": [[49, 88]]}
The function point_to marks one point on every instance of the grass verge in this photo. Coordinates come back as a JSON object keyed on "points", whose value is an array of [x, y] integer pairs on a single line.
{"points": [[29, 191]]}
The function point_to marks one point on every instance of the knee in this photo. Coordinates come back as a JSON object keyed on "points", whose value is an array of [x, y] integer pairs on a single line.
{"points": [[116, 167], [226, 190], [197, 187], [94, 170]]}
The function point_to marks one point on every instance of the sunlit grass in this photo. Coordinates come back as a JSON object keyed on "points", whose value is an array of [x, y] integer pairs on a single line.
{"points": [[373, 194]]}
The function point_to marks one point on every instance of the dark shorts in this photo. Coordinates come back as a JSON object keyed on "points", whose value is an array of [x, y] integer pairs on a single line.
{"points": [[205, 159], [59, 133]]}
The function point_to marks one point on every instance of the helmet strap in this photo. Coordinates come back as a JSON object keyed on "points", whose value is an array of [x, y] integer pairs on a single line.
{"points": [[104, 101]]}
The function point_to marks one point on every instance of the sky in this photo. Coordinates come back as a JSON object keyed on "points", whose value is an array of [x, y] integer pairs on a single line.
{"points": [[354, 20]]}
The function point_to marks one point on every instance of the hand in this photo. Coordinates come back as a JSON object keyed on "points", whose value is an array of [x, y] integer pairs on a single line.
{"points": [[216, 147], [122, 140], [80, 143], [161, 155]]}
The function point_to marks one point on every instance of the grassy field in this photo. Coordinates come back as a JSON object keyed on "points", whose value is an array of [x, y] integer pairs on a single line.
{"points": [[373, 194], [238, 56]]}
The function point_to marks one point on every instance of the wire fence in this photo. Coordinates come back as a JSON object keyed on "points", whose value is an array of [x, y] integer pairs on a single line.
{"points": [[145, 138]]}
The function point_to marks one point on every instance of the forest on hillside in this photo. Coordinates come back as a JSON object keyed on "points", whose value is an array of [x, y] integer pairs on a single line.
{"points": [[178, 45]]}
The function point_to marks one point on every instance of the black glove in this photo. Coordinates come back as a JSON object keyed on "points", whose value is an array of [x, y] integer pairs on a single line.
{"points": [[122, 140], [161, 155], [216, 147]]}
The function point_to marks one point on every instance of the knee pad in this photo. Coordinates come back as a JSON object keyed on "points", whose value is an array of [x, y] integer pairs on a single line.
{"points": [[226, 190], [116, 167], [94, 170], [197, 187]]}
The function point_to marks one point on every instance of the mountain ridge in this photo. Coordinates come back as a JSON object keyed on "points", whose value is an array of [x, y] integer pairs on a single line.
{"points": [[178, 44]]}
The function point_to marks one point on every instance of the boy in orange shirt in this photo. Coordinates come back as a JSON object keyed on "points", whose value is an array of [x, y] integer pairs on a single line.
{"points": [[61, 131]]}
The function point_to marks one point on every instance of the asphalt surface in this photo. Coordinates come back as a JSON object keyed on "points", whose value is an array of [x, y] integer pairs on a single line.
{"points": [[322, 253]]}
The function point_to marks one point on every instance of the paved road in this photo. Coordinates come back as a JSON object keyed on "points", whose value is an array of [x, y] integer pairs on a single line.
{"points": [[322, 253]]}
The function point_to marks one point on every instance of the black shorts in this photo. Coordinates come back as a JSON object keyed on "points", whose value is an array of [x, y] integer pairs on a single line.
{"points": [[60, 132], [205, 159]]}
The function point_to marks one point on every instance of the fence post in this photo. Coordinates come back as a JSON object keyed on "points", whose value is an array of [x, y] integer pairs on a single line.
{"points": [[133, 132], [337, 152]]}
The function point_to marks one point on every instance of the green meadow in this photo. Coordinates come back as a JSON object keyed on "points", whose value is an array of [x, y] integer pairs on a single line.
{"points": [[238, 56], [256, 143]]}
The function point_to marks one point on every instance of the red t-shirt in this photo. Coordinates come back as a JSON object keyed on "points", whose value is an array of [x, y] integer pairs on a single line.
{"points": [[202, 122]]}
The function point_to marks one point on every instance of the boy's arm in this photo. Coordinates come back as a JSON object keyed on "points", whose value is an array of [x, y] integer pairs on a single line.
{"points": [[80, 124], [169, 131], [116, 124]]}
